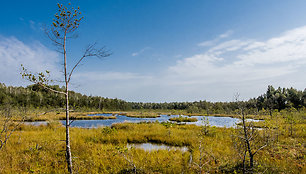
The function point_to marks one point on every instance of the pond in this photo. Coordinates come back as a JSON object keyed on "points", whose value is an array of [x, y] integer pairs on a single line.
{"points": [[36, 123], [213, 121], [152, 147]]}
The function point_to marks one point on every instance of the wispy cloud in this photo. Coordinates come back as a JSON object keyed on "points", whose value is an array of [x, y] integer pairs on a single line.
{"points": [[227, 66], [216, 40], [246, 66], [110, 76], [36, 26], [226, 34], [36, 57], [141, 51], [278, 60], [288, 48], [227, 46], [286, 51], [123, 85]]}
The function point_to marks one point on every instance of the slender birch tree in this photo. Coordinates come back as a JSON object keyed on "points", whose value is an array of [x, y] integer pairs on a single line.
{"points": [[65, 23]]}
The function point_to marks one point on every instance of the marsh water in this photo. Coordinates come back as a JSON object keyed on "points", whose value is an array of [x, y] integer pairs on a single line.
{"points": [[213, 121], [152, 147]]}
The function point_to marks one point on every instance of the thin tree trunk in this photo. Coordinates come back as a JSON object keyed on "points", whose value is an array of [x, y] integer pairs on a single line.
{"points": [[291, 128], [251, 161], [247, 141], [68, 150], [243, 162]]}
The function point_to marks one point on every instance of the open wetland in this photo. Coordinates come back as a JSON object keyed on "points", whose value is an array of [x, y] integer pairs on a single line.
{"points": [[198, 120]]}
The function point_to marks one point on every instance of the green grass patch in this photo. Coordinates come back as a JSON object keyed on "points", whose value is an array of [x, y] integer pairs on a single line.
{"points": [[183, 119]]}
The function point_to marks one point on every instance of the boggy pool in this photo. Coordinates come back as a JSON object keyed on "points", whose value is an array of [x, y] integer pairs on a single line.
{"points": [[153, 147], [213, 121]]}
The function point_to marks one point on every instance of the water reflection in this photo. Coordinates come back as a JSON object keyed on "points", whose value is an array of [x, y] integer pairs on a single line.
{"points": [[153, 147], [36, 123]]}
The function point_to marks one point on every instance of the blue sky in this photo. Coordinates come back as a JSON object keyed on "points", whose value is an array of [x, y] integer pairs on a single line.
{"points": [[164, 50]]}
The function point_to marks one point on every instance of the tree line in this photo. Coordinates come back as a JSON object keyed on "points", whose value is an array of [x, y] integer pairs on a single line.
{"points": [[35, 96]]}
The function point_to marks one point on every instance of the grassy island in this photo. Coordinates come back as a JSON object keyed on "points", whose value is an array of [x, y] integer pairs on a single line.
{"points": [[183, 119]]}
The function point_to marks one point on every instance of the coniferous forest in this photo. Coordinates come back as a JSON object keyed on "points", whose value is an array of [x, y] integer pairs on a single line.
{"points": [[34, 96]]}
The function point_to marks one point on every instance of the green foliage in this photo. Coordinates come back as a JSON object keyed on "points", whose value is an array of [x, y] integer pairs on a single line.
{"points": [[205, 126], [108, 130], [183, 119], [66, 20], [193, 109], [42, 78], [36, 96], [281, 98]]}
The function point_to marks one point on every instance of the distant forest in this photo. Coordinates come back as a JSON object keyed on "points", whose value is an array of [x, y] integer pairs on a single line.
{"points": [[36, 97]]}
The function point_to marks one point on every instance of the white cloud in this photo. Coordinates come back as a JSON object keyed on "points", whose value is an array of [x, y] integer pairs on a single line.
{"points": [[233, 65], [109, 76], [217, 39], [140, 51], [286, 48], [249, 55], [35, 57], [208, 43], [123, 85], [226, 34], [246, 66], [231, 45], [36, 26]]}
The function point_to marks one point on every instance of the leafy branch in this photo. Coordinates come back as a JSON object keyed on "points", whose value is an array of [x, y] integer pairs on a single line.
{"points": [[41, 79]]}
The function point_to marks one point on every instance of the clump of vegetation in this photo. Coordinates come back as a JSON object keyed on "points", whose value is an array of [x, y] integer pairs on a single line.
{"points": [[141, 114], [89, 117], [183, 119]]}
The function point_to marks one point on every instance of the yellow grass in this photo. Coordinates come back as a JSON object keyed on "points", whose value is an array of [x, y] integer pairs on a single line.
{"points": [[40, 149]]}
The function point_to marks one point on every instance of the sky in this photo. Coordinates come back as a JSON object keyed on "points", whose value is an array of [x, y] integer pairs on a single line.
{"points": [[163, 50]]}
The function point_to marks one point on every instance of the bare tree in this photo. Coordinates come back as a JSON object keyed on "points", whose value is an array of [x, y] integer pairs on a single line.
{"points": [[205, 160], [64, 25], [9, 124], [123, 151], [247, 140]]}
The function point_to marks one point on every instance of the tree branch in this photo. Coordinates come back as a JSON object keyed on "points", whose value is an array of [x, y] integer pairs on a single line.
{"points": [[71, 122], [90, 51], [260, 149], [77, 64], [50, 89]]}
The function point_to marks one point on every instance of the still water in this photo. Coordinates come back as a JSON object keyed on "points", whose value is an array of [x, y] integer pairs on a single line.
{"points": [[213, 121], [153, 147]]}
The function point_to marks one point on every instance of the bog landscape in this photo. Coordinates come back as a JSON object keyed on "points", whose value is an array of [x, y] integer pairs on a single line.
{"points": [[47, 126], [114, 136]]}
